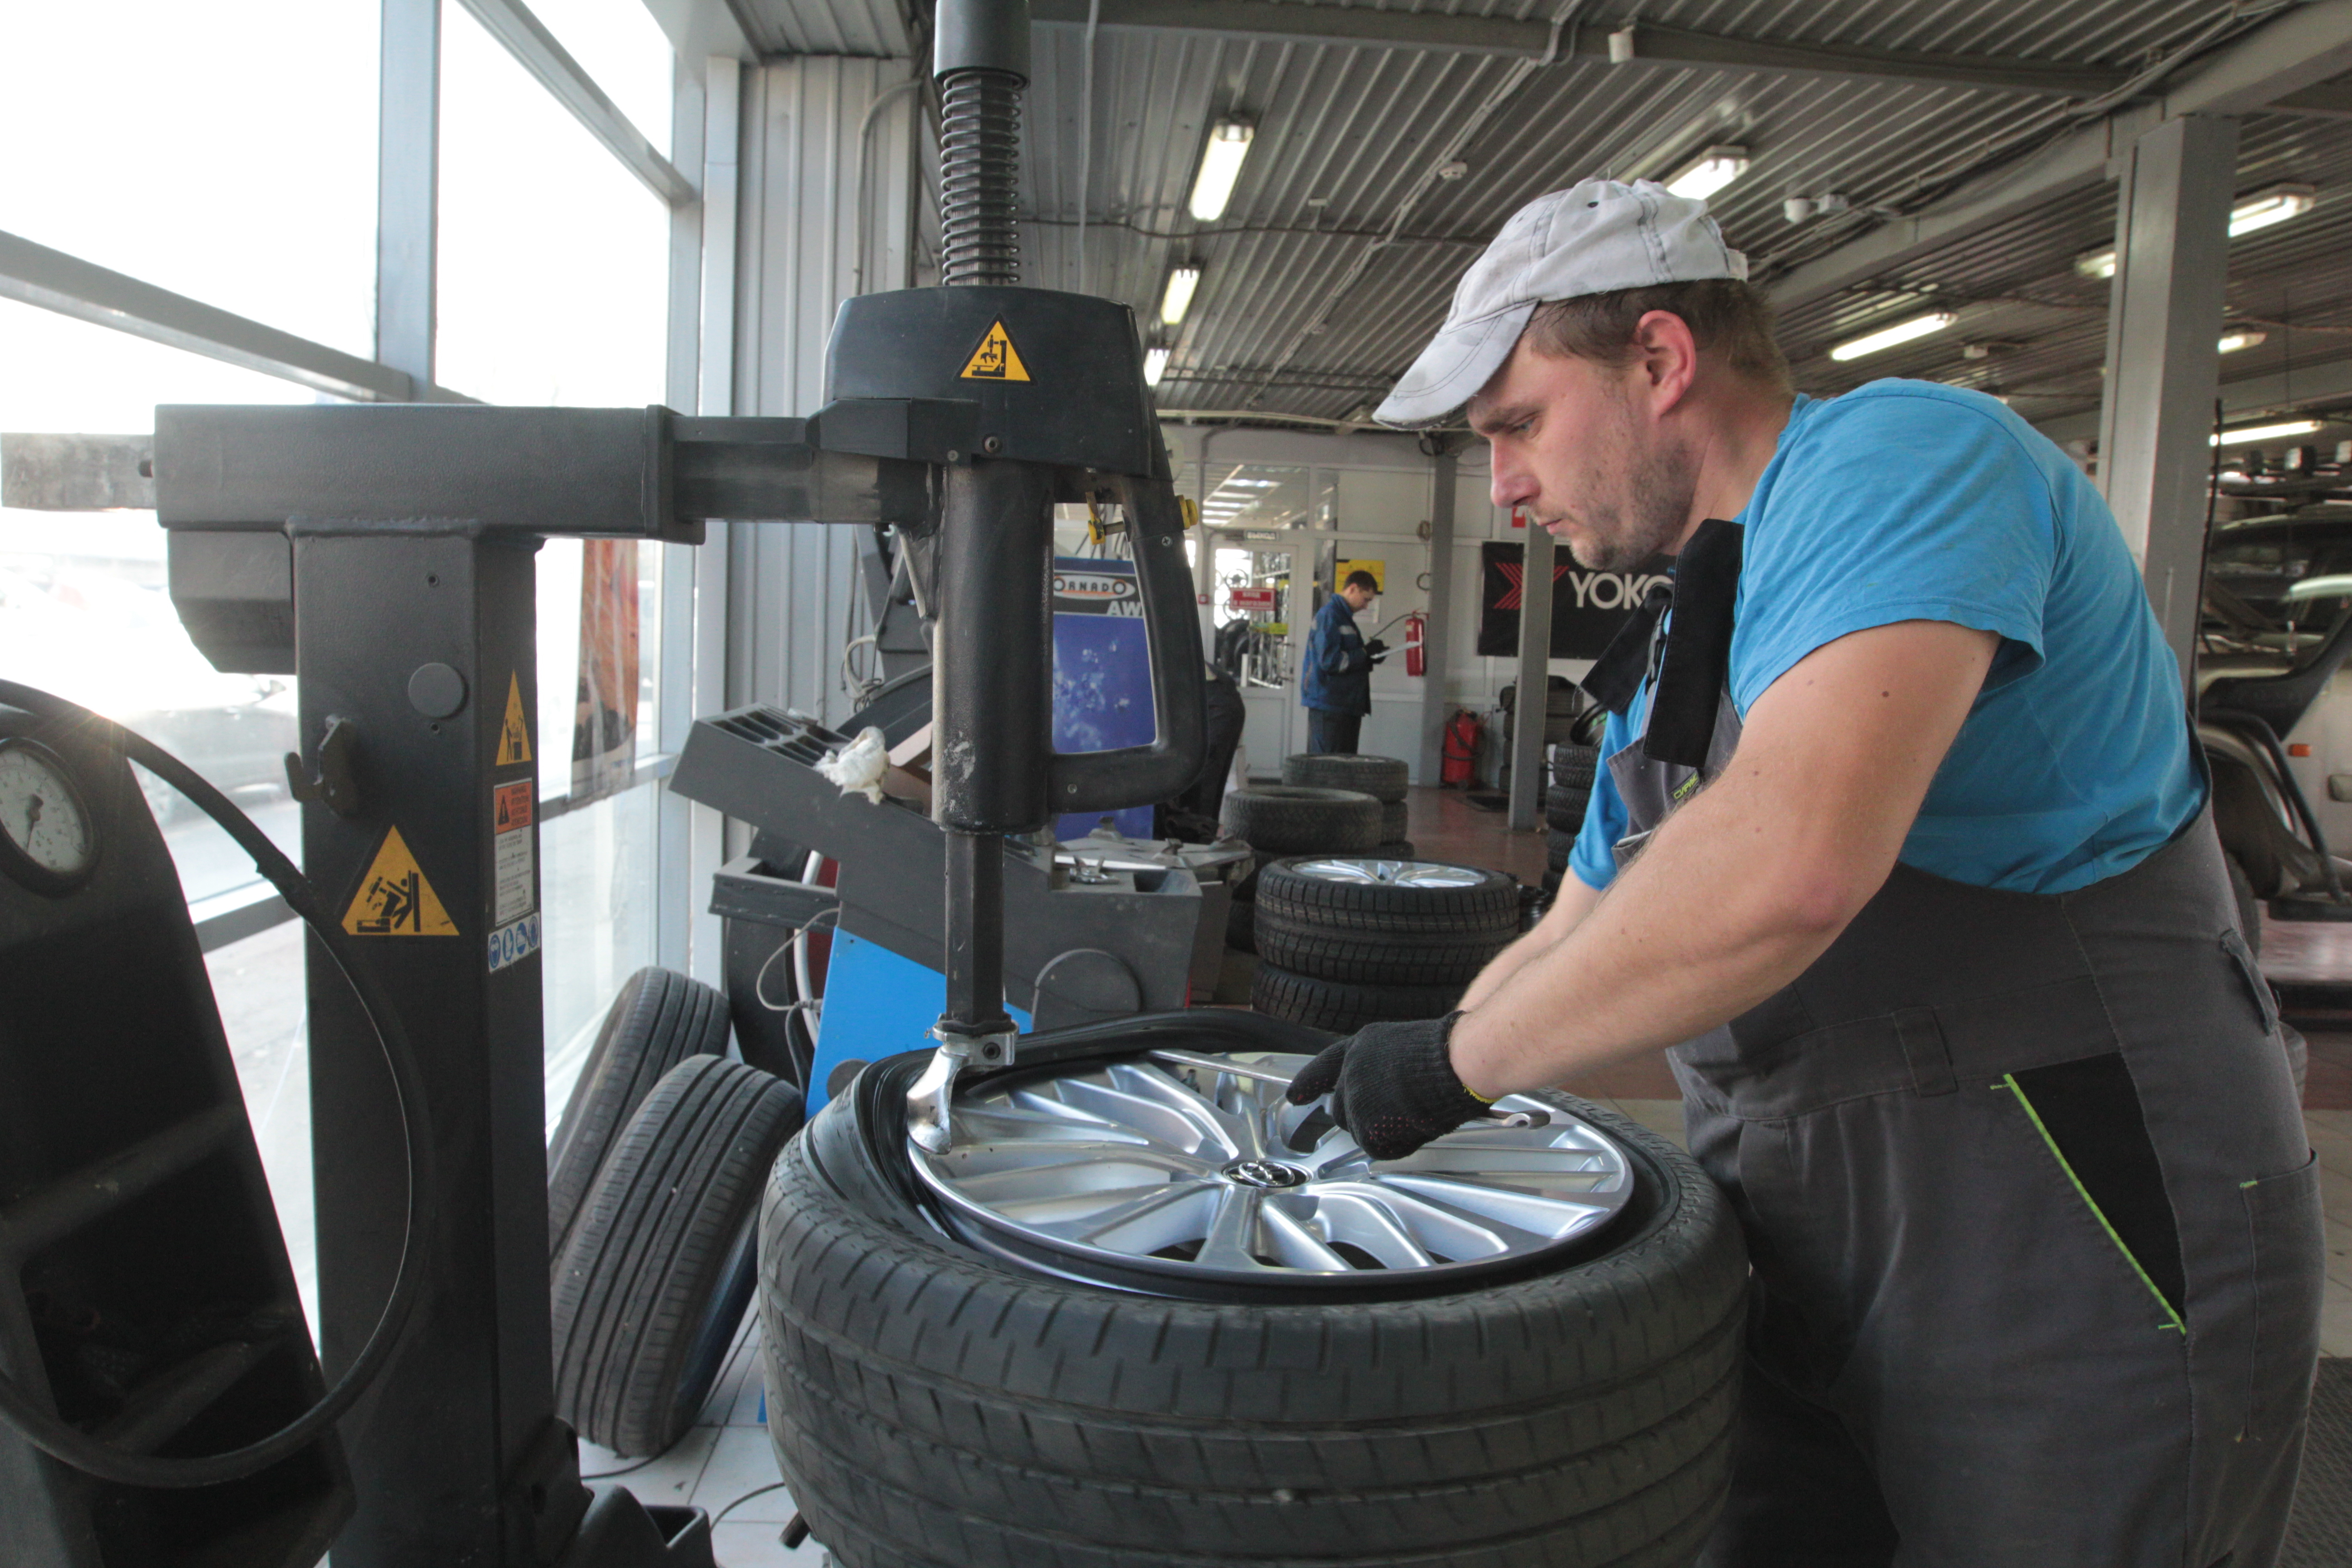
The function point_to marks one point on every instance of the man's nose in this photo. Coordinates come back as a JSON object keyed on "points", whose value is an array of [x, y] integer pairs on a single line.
{"points": [[1510, 485]]}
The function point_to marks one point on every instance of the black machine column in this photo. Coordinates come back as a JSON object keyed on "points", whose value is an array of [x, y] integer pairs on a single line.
{"points": [[421, 643], [993, 701]]}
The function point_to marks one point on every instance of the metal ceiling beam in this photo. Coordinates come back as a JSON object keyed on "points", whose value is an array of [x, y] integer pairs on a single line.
{"points": [[2300, 50], [1674, 49], [2278, 392], [56, 281], [535, 49]]}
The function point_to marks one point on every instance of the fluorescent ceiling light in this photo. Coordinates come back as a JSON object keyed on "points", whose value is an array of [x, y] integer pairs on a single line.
{"points": [[2260, 210], [1178, 299], [1888, 337], [1155, 365], [2328, 587], [2232, 341], [2264, 209], [2264, 432], [1221, 166], [1708, 172]]}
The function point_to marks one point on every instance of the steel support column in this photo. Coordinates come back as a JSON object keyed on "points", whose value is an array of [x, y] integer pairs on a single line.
{"points": [[408, 174], [722, 135], [1535, 684], [2172, 216], [675, 884], [1445, 469]]}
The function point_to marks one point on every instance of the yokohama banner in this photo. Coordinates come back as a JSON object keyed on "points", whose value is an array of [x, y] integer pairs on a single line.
{"points": [[1587, 607]]}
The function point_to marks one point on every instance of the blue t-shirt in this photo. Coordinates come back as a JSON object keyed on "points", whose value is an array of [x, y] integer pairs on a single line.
{"points": [[1904, 500]]}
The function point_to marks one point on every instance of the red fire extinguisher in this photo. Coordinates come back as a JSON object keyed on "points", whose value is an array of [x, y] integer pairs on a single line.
{"points": [[1460, 758], [1417, 658]]}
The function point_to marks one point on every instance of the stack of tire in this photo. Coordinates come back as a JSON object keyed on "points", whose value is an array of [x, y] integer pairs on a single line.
{"points": [[1382, 778], [1346, 941], [653, 1183], [1297, 819], [1573, 767]]}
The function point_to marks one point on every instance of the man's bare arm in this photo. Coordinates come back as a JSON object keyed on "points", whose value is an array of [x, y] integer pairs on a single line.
{"points": [[1751, 881], [1570, 904]]}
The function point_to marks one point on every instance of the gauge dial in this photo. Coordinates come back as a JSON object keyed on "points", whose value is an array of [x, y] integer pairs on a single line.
{"points": [[48, 840]]}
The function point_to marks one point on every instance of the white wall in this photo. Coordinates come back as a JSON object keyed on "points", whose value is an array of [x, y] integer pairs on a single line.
{"points": [[1381, 512]]}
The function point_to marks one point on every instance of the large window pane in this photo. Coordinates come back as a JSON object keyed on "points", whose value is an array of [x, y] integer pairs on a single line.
{"points": [[226, 153], [624, 50], [83, 611], [596, 888], [554, 258]]}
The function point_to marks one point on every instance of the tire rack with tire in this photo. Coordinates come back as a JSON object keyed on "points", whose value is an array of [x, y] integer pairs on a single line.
{"points": [[930, 1403], [657, 1272], [1345, 941]]}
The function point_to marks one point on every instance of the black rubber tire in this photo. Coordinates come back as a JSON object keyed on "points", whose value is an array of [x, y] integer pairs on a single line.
{"points": [[1394, 823], [929, 1406], [1557, 849], [660, 1018], [1551, 880], [1344, 1007], [1574, 766], [1564, 806], [1290, 819], [1487, 906], [656, 1274], [1241, 925], [1395, 849], [1382, 778], [1453, 959]]}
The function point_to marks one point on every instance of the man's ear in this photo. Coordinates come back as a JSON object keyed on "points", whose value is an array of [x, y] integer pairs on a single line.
{"points": [[1669, 358]]}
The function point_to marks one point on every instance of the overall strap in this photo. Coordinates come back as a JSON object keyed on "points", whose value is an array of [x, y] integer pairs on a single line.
{"points": [[1697, 663]]}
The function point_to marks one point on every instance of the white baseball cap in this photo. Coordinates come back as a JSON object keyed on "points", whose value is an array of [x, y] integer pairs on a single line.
{"points": [[1593, 238]]}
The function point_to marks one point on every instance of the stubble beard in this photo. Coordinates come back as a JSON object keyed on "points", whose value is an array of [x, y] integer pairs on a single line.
{"points": [[1647, 504]]}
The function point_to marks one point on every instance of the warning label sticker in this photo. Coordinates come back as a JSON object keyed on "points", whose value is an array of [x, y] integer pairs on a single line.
{"points": [[395, 898], [512, 943], [996, 358], [511, 807], [514, 735], [511, 870]]}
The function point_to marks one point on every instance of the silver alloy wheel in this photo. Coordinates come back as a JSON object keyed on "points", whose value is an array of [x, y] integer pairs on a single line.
{"points": [[1188, 1169], [1400, 873]]}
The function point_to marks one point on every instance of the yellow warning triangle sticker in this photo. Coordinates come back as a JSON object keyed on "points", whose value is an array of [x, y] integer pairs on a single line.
{"points": [[514, 735], [395, 898], [996, 358]]}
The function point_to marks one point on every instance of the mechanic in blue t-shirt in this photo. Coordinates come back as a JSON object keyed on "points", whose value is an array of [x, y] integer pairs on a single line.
{"points": [[1902, 854]]}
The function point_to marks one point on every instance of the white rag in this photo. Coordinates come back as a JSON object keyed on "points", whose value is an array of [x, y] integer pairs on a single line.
{"points": [[858, 766]]}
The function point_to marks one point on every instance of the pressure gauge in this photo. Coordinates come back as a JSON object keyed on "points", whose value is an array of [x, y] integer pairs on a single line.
{"points": [[47, 839]]}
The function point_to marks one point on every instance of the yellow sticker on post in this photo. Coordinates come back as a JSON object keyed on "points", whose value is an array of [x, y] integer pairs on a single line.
{"points": [[393, 897]]}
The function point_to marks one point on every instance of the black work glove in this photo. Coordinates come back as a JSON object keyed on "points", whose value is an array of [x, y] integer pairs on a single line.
{"points": [[1376, 647], [1392, 1086]]}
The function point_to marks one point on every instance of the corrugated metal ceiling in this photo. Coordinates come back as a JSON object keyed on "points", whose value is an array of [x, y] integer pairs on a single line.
{"points": [[1348, 132]]}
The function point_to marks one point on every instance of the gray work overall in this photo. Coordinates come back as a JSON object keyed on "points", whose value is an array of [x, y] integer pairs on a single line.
{"points": [[2034, 1223]]}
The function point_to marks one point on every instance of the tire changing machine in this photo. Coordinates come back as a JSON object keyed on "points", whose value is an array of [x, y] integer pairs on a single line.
{"points": [[384, 555]]}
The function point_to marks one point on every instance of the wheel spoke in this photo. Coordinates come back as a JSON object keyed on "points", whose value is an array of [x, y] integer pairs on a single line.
{"points": [[1529, 1214], [1295, 1245], [1233, 1237]]}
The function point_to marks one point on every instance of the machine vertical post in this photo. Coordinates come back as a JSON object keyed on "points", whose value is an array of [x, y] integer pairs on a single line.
{"points": [[423, 637]]}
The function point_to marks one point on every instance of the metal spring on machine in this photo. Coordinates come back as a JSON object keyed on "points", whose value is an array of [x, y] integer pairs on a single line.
{"points": [[980, 177]]}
